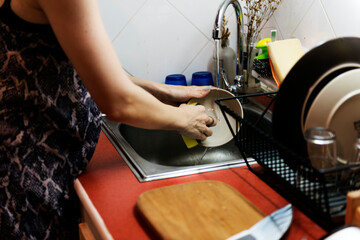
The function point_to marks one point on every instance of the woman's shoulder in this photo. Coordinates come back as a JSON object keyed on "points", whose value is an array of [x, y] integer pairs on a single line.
{"points": [[28, 10]]}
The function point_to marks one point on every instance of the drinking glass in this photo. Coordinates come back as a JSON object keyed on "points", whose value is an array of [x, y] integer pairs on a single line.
{"points": [[352, 176], [321, 147], [202, 79]]}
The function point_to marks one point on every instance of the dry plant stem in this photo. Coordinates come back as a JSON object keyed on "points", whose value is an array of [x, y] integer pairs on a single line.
{"points": [[258, 13], [226, 32]]}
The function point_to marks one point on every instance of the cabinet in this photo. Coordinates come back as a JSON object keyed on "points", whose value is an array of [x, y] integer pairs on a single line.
{"points": [[92, 225]]}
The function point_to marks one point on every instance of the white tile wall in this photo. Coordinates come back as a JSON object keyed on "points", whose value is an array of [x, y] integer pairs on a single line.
{"points": [[154, 38]]}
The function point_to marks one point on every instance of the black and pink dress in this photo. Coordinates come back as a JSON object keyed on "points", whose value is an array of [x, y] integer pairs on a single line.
{"points": [[49, 127]]}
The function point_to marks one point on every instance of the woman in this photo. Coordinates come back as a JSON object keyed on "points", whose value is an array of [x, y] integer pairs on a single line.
{"points": [[49, 123]]}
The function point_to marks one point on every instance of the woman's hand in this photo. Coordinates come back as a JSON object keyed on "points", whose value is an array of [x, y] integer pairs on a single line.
{"points": [[180, 94], [198, 123], [171, 94]]}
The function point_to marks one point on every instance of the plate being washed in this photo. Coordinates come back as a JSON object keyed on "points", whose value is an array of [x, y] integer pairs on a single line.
{"points": [[336, 108], [221, 132], [305, 80]]}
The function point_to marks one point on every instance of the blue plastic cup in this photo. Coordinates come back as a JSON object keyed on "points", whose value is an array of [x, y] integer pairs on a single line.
{"points": [[176, 79], [202, 79]]}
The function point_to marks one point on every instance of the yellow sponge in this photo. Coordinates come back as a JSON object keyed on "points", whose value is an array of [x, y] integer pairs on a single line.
{"points": [[189, 142], [283, 55]]}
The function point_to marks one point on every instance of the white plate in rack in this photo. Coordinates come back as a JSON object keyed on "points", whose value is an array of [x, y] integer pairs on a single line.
{"points": [[337, 107]]}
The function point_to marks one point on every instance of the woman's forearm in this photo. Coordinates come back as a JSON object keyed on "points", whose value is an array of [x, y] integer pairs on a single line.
{"points": [[134, 101]]}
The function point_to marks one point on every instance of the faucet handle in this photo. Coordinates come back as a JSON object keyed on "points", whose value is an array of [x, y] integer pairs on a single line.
{"points": [[239, 82], [239, 85], [239, 79]]}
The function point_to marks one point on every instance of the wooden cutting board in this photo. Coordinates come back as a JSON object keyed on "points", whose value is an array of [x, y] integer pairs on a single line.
{"points": [[197, 210]]}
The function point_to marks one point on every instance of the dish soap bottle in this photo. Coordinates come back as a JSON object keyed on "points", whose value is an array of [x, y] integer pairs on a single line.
{"points": [[227, 55]]}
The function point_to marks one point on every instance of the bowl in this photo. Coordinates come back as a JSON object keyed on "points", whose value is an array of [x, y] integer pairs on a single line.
{"points": [[221, 131]]}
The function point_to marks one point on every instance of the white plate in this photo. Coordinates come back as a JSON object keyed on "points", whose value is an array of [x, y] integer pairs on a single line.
{"points": [[337, 107], [301, 86], [221, 132]]}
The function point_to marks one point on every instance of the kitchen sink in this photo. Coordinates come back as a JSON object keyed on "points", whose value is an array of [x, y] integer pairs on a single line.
{"points": [[157, 154]]}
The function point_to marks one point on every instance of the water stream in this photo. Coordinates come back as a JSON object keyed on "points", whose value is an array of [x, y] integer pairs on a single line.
{"points": [[198, 161], [211, 112], [217, 62]]}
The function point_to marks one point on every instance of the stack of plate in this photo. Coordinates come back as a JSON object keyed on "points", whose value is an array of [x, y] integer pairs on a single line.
{"points": [[322, 89]]}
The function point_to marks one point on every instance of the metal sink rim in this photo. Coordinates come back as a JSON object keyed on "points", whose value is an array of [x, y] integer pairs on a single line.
{"points": [[144, 170]]}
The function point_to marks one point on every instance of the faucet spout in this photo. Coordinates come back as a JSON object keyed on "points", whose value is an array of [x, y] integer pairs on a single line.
{"points": [[218, 33]]}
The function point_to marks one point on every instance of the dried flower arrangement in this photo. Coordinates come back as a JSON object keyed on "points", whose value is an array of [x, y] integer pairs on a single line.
{"points": [[258, 13]]}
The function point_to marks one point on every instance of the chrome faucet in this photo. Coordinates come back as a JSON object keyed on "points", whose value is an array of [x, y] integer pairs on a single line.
{"points": [[239, 81]]}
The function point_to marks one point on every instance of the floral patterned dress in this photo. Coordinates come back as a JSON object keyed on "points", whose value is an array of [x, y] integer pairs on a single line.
{"points": [[49, 127]]}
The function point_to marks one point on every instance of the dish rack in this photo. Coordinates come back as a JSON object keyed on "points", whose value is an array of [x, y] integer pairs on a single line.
{"points": [[305, 187]]}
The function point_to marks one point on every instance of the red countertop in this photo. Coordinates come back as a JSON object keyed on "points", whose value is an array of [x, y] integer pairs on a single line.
{"points": [[113, 189]]}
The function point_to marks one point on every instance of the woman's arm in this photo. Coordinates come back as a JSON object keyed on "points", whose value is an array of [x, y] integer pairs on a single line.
{"points": [[79, 29], [171, 94]]}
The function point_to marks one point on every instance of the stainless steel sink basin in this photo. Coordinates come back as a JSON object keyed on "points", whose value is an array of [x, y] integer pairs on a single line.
{"points": [[156, 154]]}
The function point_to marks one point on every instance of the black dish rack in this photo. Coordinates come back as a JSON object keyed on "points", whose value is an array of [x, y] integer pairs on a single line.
{"points": [[304, 186]]}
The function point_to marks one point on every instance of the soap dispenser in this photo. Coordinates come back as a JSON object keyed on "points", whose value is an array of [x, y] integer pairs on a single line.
{"points": [[227, 56]]}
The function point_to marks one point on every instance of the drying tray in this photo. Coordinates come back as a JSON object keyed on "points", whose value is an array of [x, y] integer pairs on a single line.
{"points": [[302, 185]]}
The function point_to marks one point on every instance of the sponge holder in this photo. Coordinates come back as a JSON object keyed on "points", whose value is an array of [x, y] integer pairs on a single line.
{"points": [[300, 183]]}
